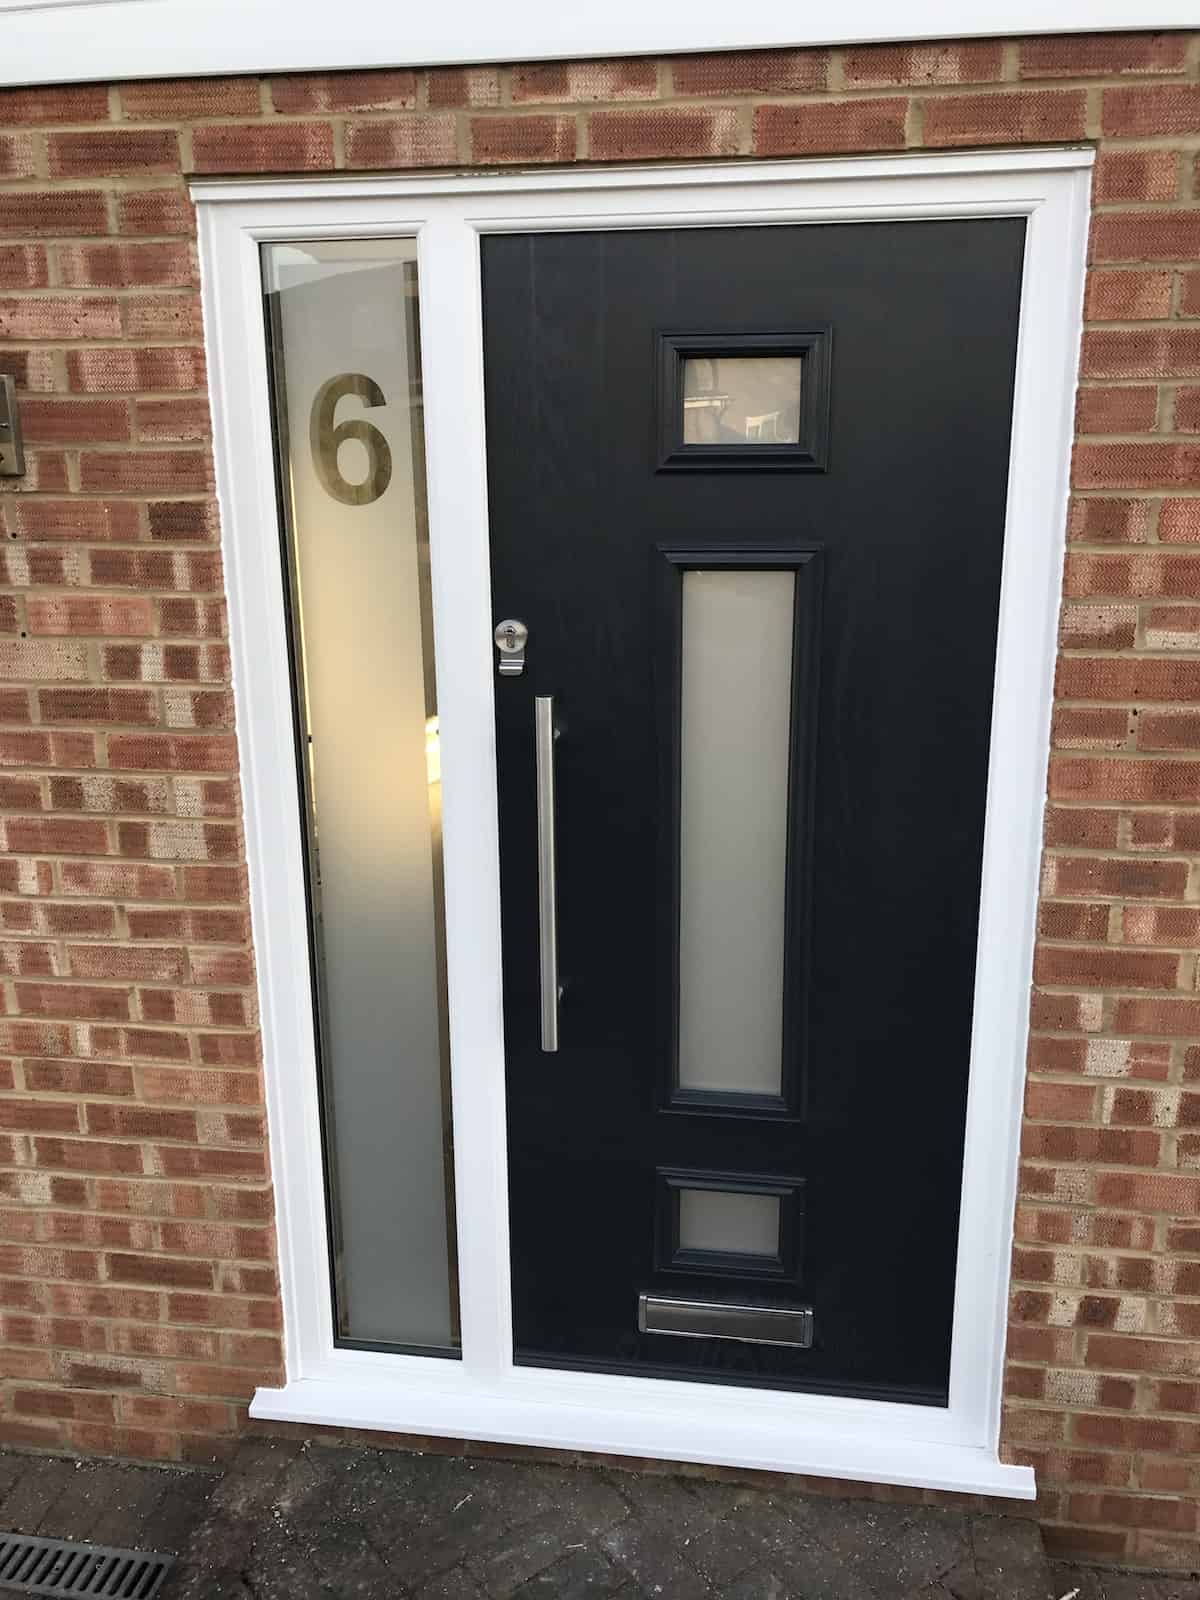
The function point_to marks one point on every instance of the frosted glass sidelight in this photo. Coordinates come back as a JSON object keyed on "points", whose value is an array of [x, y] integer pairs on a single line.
{"points": [[346, 362], [722, 1219], [736, 711]]}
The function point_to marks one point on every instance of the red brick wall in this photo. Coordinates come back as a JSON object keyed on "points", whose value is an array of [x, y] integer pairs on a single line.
{"points": [[138, 1291]]}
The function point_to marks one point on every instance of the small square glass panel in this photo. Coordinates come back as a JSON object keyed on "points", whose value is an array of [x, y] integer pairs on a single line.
{"points": [[741, 400], [730, 1222]]}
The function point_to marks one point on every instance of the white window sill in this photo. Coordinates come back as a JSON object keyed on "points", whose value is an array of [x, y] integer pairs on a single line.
{"points": [[512, 1416]]}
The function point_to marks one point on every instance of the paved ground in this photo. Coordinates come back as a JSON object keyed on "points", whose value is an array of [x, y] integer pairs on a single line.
{"points": [[103, 1502], [309, 1521]]}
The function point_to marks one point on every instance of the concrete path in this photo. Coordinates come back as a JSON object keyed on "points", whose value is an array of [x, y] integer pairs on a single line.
{"points": [[295, 1520]]}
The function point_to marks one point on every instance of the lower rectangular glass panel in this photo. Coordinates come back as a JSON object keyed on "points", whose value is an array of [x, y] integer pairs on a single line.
{"points": [[736, 677], [721, 1219], [741, 399], [347, 379]]}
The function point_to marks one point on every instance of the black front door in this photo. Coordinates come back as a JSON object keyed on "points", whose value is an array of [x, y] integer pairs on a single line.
{"points": [[747, 492]]}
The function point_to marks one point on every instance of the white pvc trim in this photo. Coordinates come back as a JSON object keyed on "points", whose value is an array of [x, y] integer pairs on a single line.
{"points": [[544, 1421], [485, 1395], [55, 41]]}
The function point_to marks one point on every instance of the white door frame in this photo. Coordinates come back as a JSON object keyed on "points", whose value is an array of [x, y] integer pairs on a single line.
{"points": [[483, 1395]]}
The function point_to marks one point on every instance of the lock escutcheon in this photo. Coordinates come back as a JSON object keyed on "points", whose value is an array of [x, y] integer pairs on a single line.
{"points": [[510, 637]]}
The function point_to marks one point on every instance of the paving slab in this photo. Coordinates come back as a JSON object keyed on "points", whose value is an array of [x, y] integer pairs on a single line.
{"points": [[182, 1504], [574, 1524], [102, 1502], [582, 1575], [923, 1551], [82, 1503], [34, 1493], [135, 1495], [1009, 1559]]}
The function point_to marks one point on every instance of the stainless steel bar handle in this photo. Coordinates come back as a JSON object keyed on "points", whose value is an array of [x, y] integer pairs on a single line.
{"points": [[543, 745]]}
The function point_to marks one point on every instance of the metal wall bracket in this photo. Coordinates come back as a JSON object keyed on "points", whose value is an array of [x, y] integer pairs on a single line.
{"points": [[12, 455]]}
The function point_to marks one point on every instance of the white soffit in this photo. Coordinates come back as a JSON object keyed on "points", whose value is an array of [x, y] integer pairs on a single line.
{"points": [[59, 41]]}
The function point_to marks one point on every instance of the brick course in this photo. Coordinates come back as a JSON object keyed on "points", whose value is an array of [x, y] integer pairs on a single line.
{"points": [[138, 1295]]}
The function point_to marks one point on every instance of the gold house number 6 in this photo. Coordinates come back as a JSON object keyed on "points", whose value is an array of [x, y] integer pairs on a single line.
{"points": [[324, 439]]}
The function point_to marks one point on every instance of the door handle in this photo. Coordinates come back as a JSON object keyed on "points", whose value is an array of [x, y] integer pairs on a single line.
{"points": [[544, 735]]}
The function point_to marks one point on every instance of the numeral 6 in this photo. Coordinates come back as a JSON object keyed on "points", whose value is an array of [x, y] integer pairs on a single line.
{"points": [[324, 439]]}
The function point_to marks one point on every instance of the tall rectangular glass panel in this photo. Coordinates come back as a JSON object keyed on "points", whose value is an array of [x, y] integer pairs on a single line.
{"points": [[736, 674], [346, 369]]}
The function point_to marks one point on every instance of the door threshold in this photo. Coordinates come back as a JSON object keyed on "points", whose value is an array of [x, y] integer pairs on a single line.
{"points": [[863, 1454]]}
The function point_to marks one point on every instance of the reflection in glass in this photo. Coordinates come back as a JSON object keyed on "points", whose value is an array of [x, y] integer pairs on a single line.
{"points": [[722, 1219], [347, 377], [735, 732], [741, 399]]}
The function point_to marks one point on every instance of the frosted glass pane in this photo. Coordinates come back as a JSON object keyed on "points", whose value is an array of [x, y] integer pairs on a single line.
{"points": [[718, 1219], [348, 397], [741, 399], [736, 694]]}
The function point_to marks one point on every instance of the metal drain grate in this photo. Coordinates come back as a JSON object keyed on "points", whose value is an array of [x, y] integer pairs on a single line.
{"points": [[58, 1567]]}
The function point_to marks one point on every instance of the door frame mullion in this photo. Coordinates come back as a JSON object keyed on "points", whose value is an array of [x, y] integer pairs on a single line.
{"points": [[484, 1395]]}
